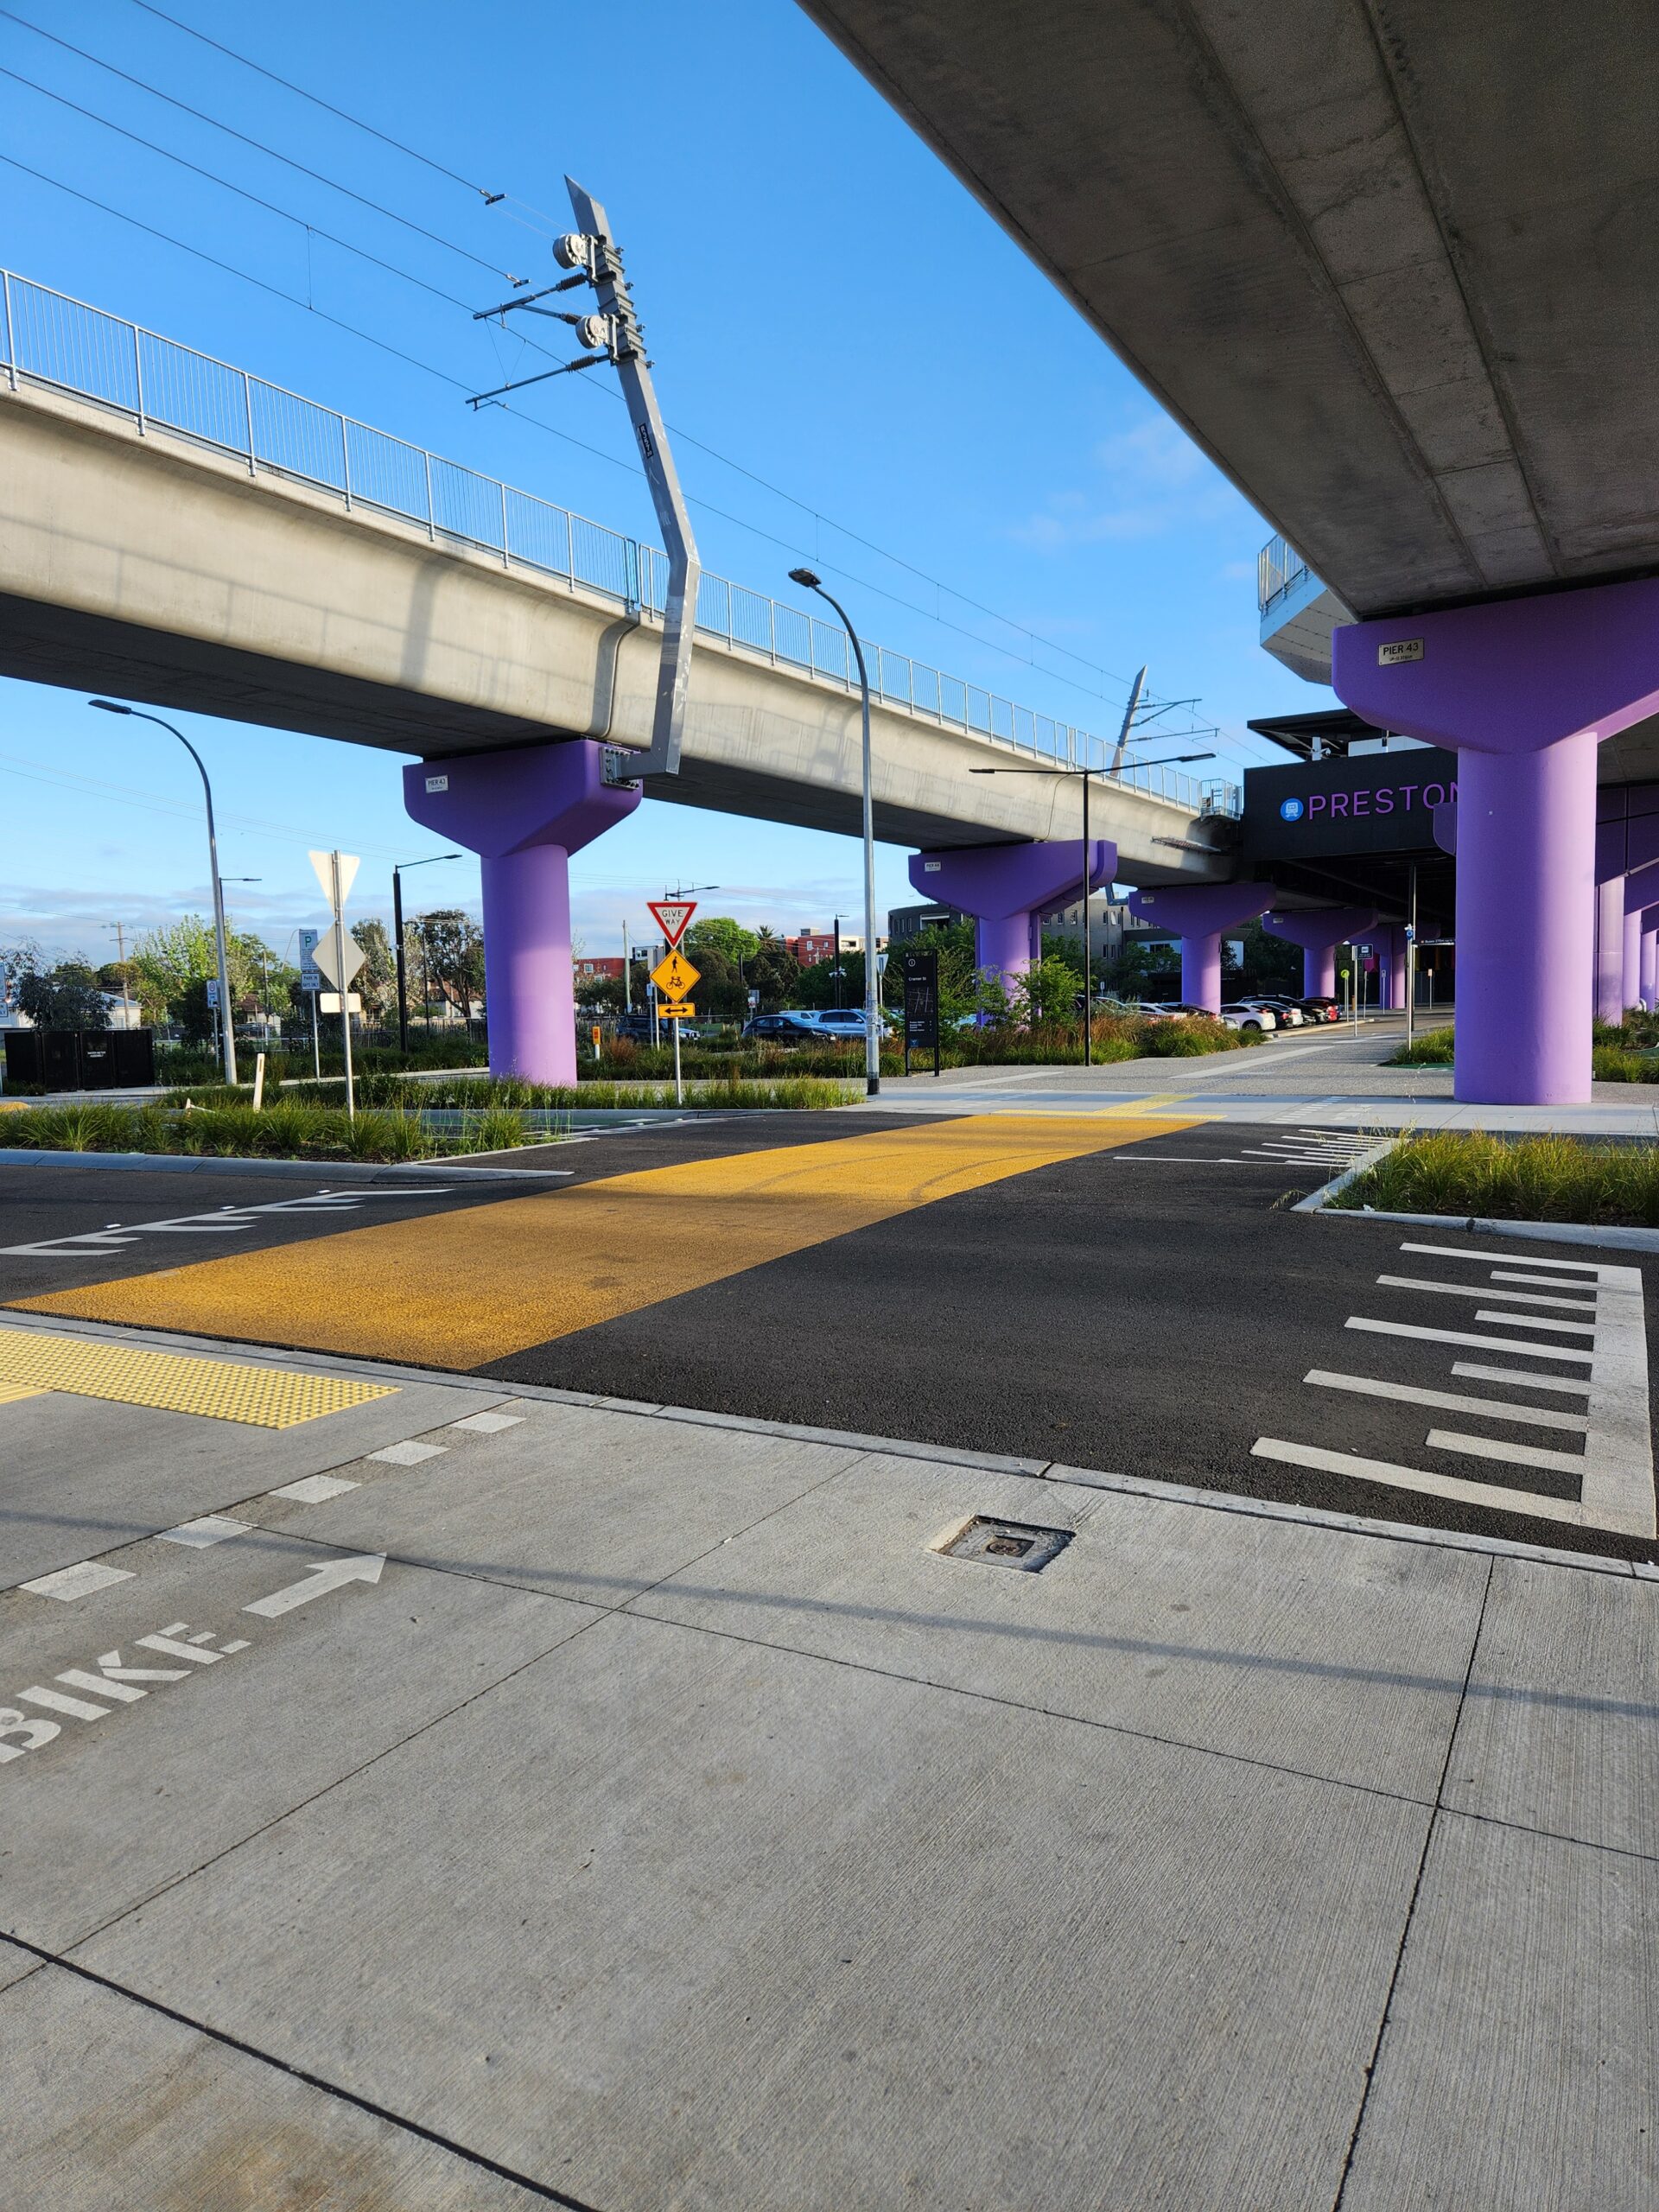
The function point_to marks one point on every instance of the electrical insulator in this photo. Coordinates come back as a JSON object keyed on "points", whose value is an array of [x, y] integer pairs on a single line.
{"points": [[572, 250]]}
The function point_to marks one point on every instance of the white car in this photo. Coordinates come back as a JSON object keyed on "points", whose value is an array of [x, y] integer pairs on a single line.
{"points": [[1249, 1014]]}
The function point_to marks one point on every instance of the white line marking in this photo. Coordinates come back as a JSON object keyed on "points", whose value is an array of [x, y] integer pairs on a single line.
{"points": [[1540, 1283], [1479, 1290], [1534, 1321], [1518, 1377], [329, 1574], [1452, 1402], [212, 1528], [1135, 1159], [221, 1220], [1510, 1259], [1514, 1455], [487, 1424], [1458, 1337], [1385, 1470], [78, 1581], [315, 1490], [408, 1455]]}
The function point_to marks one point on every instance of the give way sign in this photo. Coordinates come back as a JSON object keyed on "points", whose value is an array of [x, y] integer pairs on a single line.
{"points": [[672, 915]]}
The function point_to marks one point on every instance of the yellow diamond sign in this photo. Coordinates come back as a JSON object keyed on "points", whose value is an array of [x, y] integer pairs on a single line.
{"points": [[675, 977]]}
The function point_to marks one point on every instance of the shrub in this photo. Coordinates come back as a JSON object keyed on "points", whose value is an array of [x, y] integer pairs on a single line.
{"points": [[1513, 1178]]}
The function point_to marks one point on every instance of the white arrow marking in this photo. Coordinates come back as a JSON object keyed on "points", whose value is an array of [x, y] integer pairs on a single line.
{"points": [[331, 1575]]}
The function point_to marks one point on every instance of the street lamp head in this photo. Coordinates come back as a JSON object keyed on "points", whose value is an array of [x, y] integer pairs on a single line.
{"points": [[804, 576], [109, 705]]}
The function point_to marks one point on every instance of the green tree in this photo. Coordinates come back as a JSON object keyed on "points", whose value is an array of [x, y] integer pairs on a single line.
{"points": [[452, 947], [771, 970], [719, 933], [169, 961], [64, 997], [1047, 992], [376, 982]]}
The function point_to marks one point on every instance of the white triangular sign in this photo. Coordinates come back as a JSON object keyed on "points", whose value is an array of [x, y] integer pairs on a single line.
{"points": [[672, 915], [323, 864]]}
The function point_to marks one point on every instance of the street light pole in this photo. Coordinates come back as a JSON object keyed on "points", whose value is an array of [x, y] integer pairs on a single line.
{"points": [[872, 1031], [227, 1025], [397, 932]]}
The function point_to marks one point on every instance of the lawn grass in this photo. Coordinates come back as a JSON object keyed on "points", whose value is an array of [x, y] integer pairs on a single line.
{"points": [[1432, 1049], [1513, 1178]]}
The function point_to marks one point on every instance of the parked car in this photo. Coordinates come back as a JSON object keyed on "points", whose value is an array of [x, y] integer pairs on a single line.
{"points": [[1288, 1011], [1250, 1013], [789, 1028], [634, 1026], [1322, 1009]]}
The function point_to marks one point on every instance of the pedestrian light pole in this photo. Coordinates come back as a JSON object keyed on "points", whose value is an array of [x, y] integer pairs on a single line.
{"points": [[227, 1027], [872, 1017], [397, 935], [1085, 776]]}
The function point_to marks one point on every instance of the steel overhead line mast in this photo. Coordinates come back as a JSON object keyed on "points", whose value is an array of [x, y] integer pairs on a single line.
{"points": [[615, 335]]}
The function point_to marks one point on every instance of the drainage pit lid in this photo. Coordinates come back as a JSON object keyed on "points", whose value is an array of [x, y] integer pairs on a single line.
{"points": [[1018, 1544]]}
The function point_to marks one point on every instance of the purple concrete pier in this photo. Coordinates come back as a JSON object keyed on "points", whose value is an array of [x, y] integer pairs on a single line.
{"points": [[1203, 913], [1007, 889], [524, 812], [1320, 930], [1524, 689]]}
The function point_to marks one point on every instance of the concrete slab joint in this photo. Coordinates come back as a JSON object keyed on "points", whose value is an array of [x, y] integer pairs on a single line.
{"points": [[524, 812], [1009, 888], [1524, 689]]}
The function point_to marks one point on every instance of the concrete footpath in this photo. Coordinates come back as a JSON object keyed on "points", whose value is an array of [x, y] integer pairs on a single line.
{"points": [[420, 1792]]}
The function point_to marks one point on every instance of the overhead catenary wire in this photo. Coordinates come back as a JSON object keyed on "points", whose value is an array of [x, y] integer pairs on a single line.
{"points": [[690, 437], [455, 383], [441, 168], [259, 147], [461, 384], [726, 460]]}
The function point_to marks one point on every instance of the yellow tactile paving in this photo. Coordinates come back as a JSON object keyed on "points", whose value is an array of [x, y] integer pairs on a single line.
{"points": [[261, 1397], [458, 1289]]}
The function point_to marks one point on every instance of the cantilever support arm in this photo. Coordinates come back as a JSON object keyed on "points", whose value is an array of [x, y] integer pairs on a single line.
{"points": [[685, 568]]}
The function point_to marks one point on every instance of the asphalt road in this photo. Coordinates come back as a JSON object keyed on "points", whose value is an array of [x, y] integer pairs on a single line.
{"points": [[1153, 1309]]}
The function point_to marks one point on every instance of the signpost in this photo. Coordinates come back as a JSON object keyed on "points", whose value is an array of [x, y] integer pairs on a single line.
{"points": [[311, 984], [338, 956], [675, 977], [921, 974]]}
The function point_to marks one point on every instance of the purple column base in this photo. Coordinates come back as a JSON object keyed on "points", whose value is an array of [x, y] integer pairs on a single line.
{"points": [[1649, 966], [524, 812], [1631, 994], [1526, 861]]}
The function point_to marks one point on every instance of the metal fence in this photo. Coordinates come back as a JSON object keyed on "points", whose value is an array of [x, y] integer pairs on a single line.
{"points": [[54, 340], [1279, 568]]}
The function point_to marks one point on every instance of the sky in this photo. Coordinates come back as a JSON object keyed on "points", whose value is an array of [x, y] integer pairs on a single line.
{"points": [[861, 369]]}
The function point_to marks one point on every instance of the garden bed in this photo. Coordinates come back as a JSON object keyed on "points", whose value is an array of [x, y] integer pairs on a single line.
{"points": [[1467, 1174]]}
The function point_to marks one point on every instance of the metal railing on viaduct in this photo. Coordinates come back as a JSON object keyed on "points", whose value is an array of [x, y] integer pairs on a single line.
{"points": [[53, 341]]}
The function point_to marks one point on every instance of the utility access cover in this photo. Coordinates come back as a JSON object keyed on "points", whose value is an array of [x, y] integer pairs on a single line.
{"points": [[1006, 1543]]}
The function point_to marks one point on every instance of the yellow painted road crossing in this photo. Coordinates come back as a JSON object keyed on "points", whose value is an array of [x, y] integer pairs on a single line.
{"points": [[462, 1288]]}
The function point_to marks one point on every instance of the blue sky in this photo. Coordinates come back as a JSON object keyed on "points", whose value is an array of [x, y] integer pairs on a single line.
{"points": [[827, 308]]}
